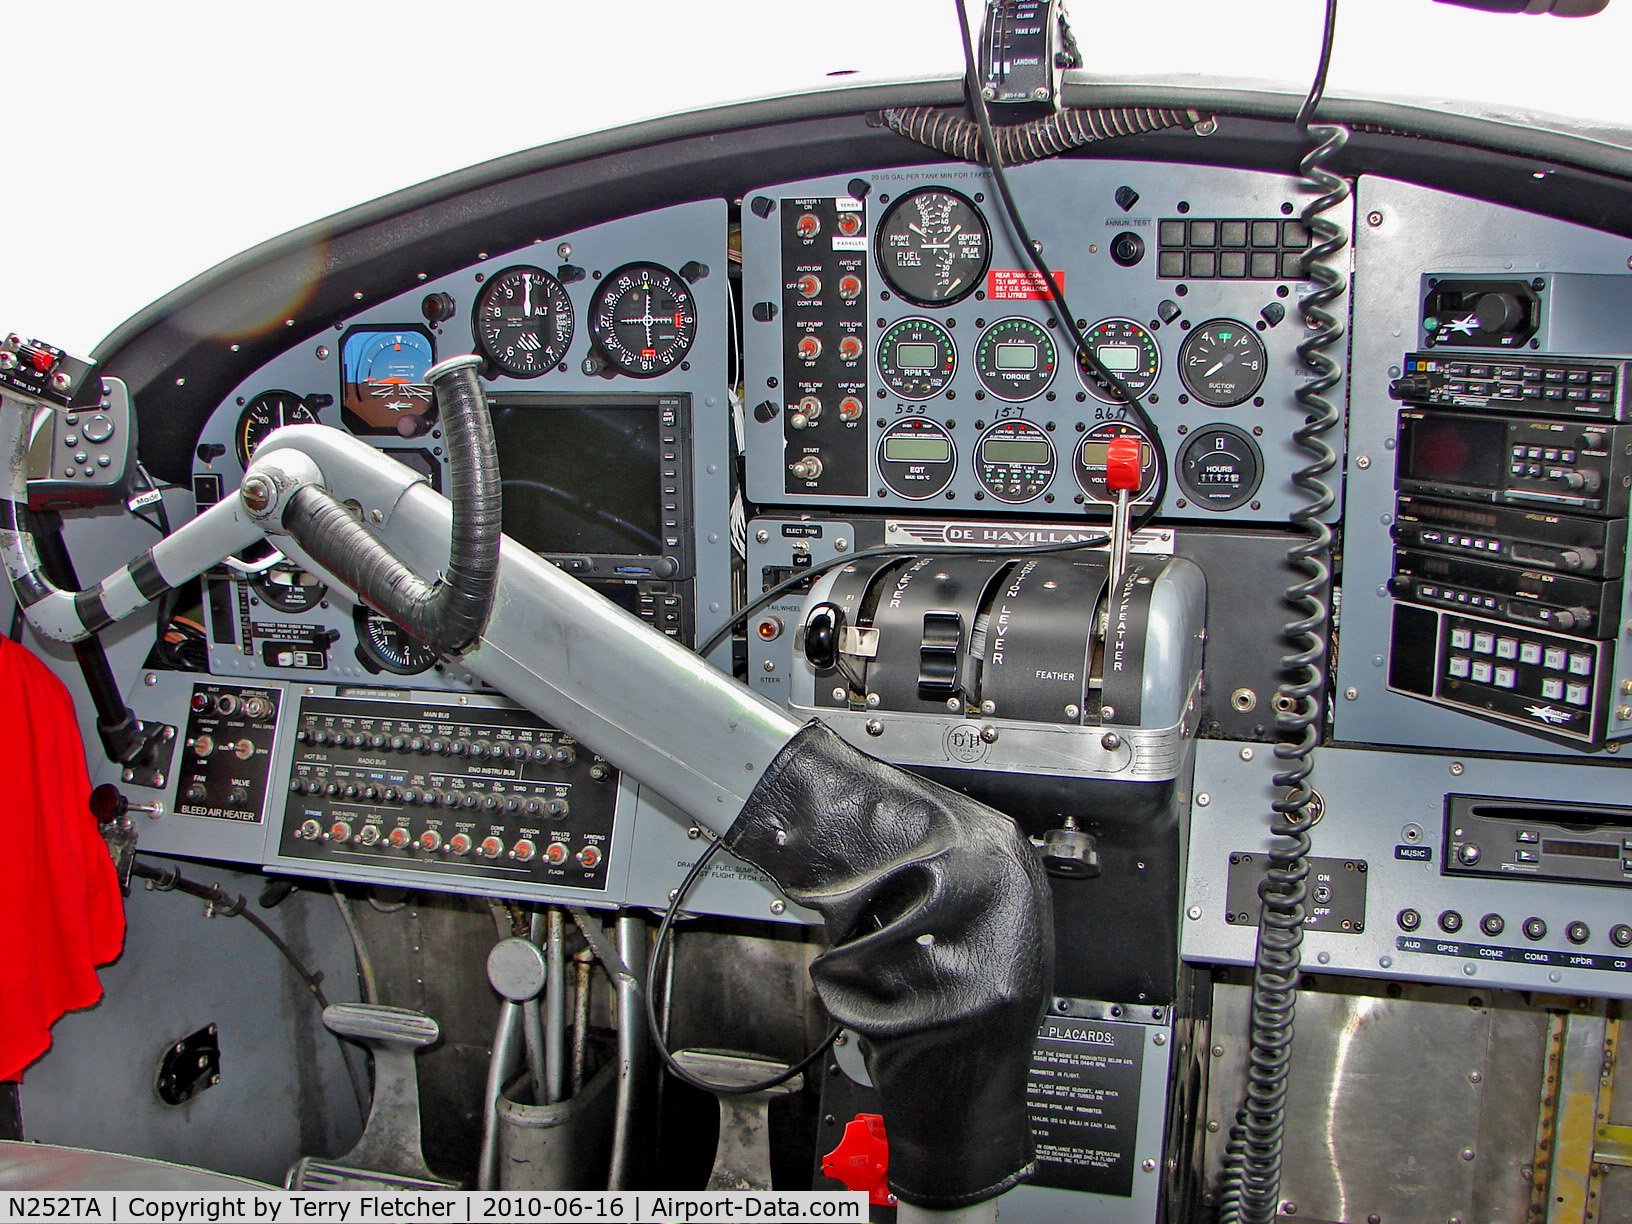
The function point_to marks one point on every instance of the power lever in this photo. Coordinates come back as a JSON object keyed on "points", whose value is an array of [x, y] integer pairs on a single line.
{"points": [[1122, 478]]}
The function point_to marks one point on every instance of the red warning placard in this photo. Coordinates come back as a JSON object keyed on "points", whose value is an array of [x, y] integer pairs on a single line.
{"points": [[1016, 284]]}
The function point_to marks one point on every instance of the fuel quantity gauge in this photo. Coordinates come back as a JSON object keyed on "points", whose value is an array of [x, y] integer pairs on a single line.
{"points": [[1015, 461]]}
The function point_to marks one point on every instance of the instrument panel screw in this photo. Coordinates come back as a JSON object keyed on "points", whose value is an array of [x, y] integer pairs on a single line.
{"points": [[1362, 462], [1457, 769], [779, 906], [1194, 912], [988, 707], [1110, 741], [1374, 219], [1247, 754], [129, 775], [1159, 1039], [1351, 694], [322, 352], [1474, 1077], [841, 545], [1213, 1127], [257, 493], [1040, 93], [838, 694], [62, 380], [150, 679], [872, 701], [875, 728], [1203, 799], [762, 536], [1107, 712], [1289, 1209], [1467, 1153], [988, 92], [989, 734], [1149, 1166], [1072, 711], [564, 251]]}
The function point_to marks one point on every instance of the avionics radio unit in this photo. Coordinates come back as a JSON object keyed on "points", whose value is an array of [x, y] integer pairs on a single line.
{"points": [[1515, 462], [1509, 570]]}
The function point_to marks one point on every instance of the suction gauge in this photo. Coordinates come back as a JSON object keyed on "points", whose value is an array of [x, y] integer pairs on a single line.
{"points": [[522, 321], [1015, 359], [268, 411], [933, 247], [1126, 350], [1223, 362], [383, 645], [643, 318]]}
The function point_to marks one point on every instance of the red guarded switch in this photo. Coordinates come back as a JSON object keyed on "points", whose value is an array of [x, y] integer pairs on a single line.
{"points": [[862, 1159], [1122, 464]]}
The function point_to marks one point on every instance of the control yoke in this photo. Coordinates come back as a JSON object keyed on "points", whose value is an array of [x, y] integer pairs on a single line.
{"points": [[937, 910]]}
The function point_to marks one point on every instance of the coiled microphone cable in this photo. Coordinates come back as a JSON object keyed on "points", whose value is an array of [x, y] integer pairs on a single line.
{"points": [[1250, 1192]]}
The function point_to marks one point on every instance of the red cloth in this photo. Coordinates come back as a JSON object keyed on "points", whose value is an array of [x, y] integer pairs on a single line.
{"points": [[61, 914]]}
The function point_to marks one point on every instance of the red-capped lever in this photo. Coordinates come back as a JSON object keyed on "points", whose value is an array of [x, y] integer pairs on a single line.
{"points": [[862, 1159], [1122, 464], [1122, 476]]}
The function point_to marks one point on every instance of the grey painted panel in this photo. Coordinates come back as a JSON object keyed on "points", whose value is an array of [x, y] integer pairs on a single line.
{"points": [[1380, 807], [1419, 231], [283, 1092]]}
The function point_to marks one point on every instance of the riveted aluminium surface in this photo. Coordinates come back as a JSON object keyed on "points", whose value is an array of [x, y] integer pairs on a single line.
{"points": [[1404, 1102]]}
